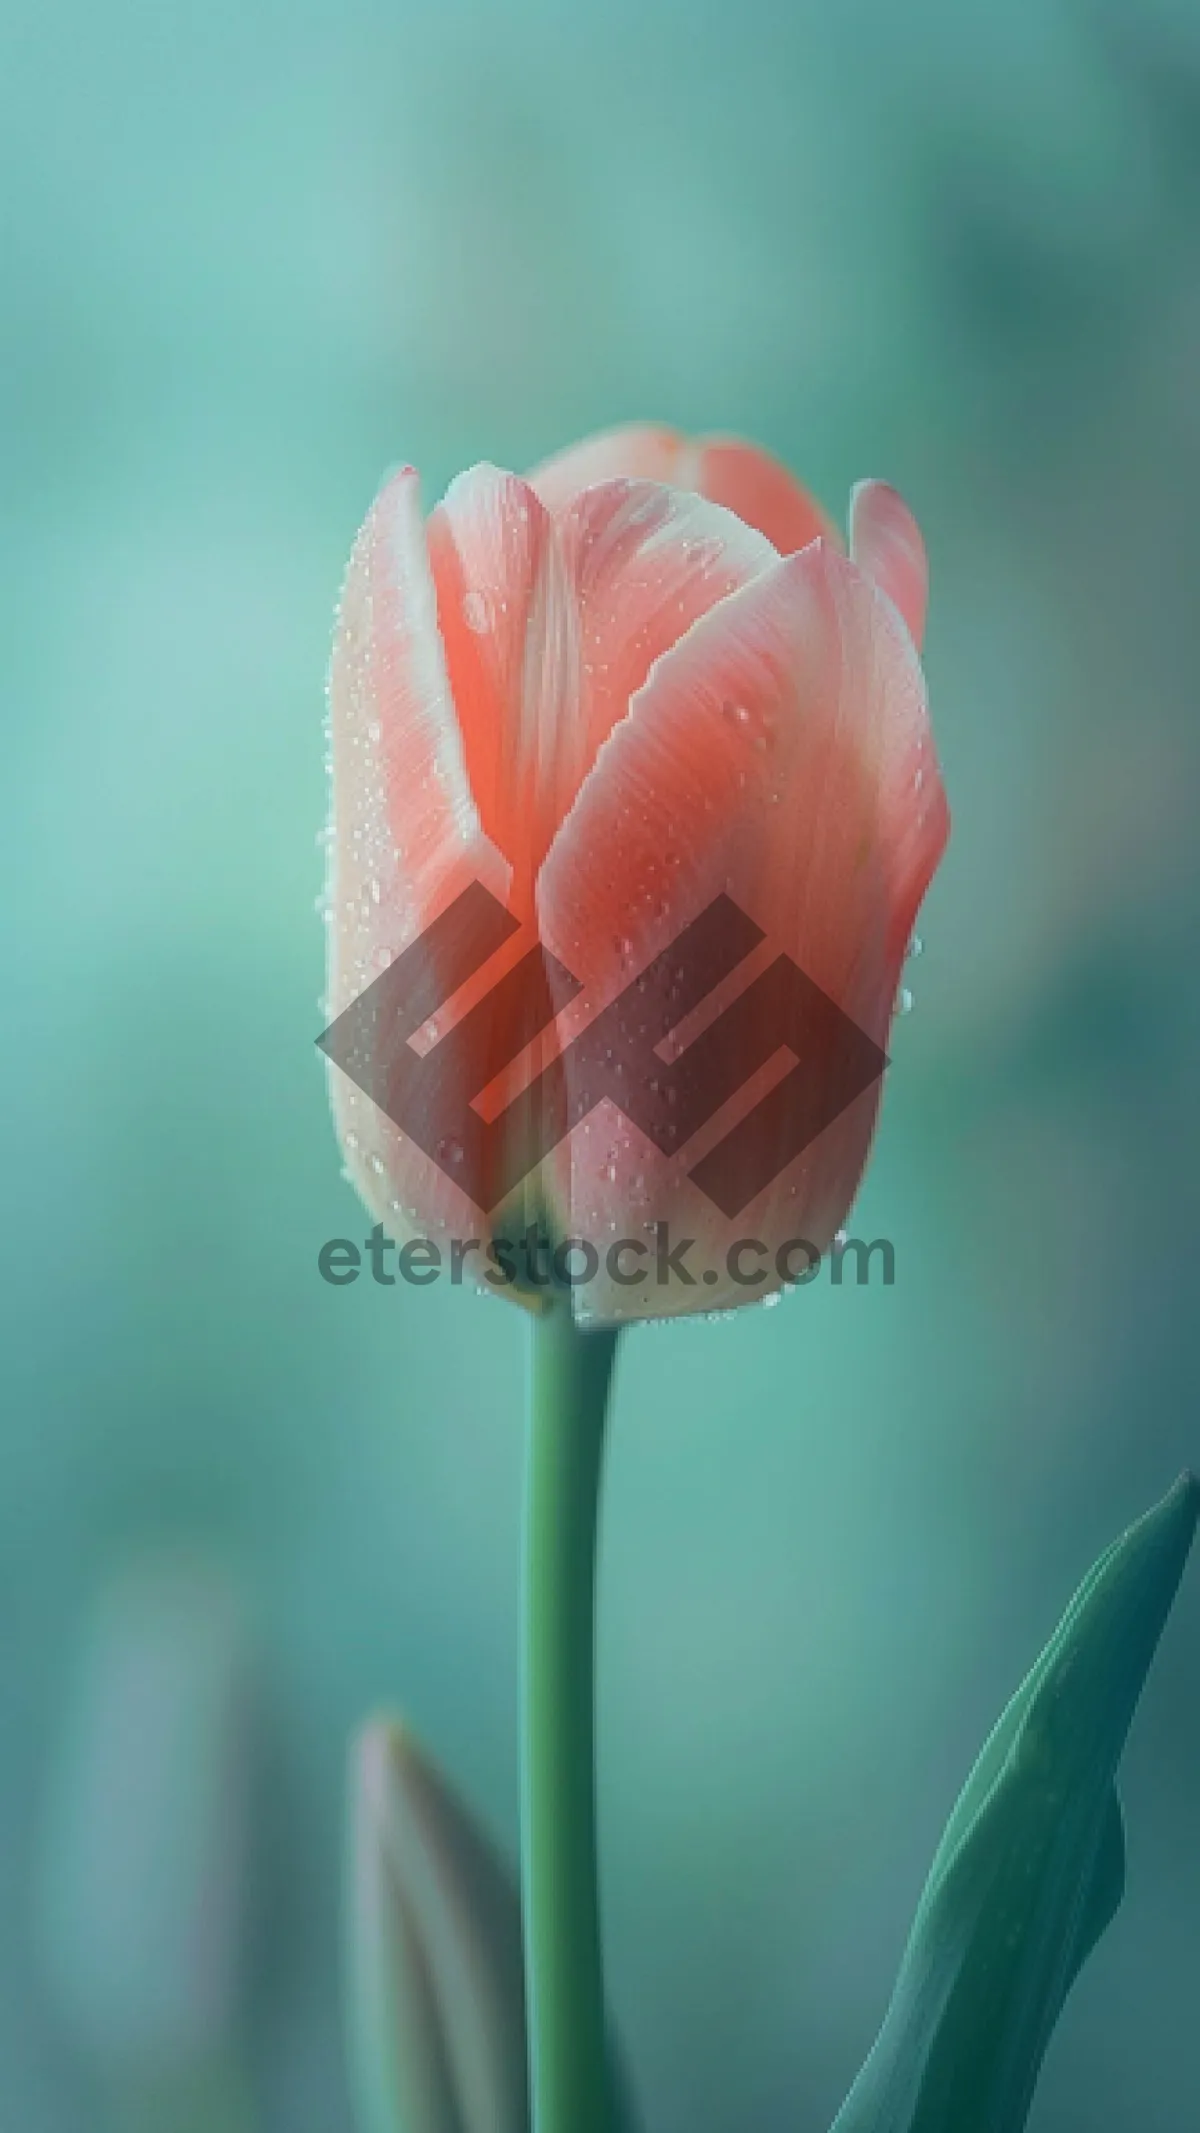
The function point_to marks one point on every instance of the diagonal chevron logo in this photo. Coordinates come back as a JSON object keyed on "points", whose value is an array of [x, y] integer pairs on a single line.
{"points": [[432, 1095]]}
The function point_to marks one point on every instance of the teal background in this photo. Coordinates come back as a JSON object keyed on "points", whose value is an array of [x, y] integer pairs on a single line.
{"points": [[252, 256]]}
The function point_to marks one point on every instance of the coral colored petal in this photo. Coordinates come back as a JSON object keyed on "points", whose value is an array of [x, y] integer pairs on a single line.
{"points": [[886, 543], [741, 477], [405, 827], [639, 451], [643, 563], [780, 753], [551, 625], [759, 488], [489, 548], [405, 836]]}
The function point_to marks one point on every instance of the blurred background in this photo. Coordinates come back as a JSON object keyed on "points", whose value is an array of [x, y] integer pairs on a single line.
{"points": [[252, 255]]}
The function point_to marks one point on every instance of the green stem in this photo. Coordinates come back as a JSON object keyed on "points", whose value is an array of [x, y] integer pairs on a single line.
{"points": [[564, 1979]]}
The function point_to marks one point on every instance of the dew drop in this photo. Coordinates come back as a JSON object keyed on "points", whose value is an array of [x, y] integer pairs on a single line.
{"points": [[904, 1001]]}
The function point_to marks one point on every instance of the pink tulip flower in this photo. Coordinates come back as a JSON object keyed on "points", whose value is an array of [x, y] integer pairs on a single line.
{"points": [[644, 676]]}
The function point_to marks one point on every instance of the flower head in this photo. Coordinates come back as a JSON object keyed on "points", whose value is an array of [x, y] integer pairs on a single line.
{"points": [[640, 687]]}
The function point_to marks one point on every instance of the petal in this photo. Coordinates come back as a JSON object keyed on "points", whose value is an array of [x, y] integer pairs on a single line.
{"points": [[643, 563], [759, 488], [780, 754], [405, 836], [490, 553], [885, 542], [743, 478], [551, 626], [405, 831], [638, 451]]}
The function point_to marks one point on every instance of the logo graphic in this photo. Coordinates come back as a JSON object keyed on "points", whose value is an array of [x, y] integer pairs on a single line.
{"points": [[431, 1096]]}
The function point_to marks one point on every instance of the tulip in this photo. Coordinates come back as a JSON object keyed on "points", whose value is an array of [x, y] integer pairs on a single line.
{"points": [[644, 676], [640, 687]]}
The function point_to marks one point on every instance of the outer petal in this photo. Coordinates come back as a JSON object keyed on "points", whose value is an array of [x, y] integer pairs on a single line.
{"points": [[405, 835], [780, 753], [885, 542], [742, 477], [759, 488]]}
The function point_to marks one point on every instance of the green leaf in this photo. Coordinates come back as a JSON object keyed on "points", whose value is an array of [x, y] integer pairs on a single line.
{"points": [[1031, 1868]]}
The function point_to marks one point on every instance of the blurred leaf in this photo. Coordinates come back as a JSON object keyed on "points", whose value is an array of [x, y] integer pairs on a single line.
{"points": [[1031, 1867], [436, 1964], [437, 1995], [142, 1885]]}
